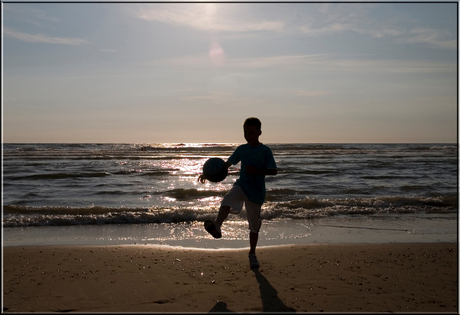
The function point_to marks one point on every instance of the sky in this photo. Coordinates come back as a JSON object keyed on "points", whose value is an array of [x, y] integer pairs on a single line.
{"points": [[193, 72]]}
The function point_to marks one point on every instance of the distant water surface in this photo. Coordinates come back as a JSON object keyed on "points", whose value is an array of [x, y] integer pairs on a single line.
{"points": [[65, 185]]}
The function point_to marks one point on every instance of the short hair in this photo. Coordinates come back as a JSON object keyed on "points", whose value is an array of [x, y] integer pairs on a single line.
{"points": [[252, 121]]}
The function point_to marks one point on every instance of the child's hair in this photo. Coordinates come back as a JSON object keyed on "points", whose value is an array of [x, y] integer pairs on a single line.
{"points": [[252, 121]]}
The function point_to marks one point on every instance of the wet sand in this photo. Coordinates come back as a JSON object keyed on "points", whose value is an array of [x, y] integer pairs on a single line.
{"points": [[410, 277]]}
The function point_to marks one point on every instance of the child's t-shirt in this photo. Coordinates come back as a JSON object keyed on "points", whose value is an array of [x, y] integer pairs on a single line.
{"points": [[260, 157]]}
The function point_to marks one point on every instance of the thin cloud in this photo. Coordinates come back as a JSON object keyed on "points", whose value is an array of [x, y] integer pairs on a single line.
{"points": [[435, 38], [321, 20], [326, 30], [22, 13], [220, 98], [202, 60], [388, 66], [40, 38], [206, 17], [343, 27], [432, 37], [332, 19], [319, 62]]}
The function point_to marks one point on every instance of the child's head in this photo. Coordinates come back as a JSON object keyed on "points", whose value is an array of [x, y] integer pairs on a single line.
{"points": [[252, 121], [252, 130]]}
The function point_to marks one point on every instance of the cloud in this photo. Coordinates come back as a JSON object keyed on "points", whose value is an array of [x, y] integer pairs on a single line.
{"points": [[27, 14], [343, 27], [200, 61], [40, 38], [319, 62], [318, 20], [384, 66], [363, 19], [433, 37], [206, 17], [222, 98]]}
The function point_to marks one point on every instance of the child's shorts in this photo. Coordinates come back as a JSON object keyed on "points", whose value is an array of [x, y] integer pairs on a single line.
{"points": [[235, 199]]}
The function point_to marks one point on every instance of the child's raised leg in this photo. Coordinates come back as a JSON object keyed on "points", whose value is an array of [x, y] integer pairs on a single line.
{"points": [[221, 216]]}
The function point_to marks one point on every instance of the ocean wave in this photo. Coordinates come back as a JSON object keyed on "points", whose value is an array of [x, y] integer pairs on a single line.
{"points": [[59, 176], [53, 176], [416, 188], [287, 170], [164, 172], [280, 194], [22, 216], [160, 147], [191, 193], [312, 207], [306, 208]]}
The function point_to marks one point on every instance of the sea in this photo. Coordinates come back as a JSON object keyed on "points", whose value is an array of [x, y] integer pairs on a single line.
{"points": [[144, 193]]}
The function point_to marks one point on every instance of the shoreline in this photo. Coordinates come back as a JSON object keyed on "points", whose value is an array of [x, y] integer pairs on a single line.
{"points": [[396, 277], [357, 230]]}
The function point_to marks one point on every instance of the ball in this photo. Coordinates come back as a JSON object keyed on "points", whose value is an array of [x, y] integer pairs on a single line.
{"points": [[214, 170]]}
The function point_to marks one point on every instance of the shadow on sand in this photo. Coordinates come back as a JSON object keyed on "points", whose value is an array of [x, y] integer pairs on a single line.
{"points": [[220, 307], [270, 300]]}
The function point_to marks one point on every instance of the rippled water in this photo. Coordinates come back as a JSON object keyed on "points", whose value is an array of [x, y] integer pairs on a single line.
{"points": [[94, 184]]}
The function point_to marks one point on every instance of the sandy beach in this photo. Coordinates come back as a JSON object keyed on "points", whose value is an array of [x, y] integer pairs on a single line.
{"points": [[420, 277]]}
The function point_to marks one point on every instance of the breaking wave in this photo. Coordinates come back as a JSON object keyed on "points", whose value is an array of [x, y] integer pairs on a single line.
{"points": [[307, 208]]}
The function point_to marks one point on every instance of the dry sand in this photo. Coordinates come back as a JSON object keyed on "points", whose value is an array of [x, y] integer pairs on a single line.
{"points": [[302, 278]]}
